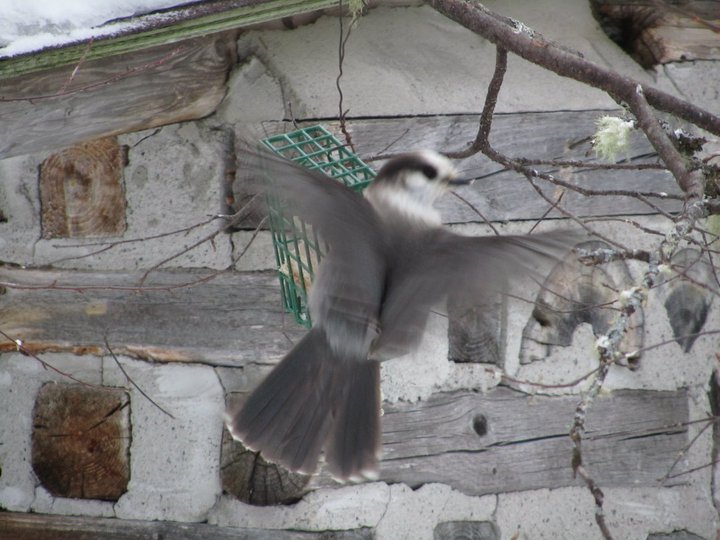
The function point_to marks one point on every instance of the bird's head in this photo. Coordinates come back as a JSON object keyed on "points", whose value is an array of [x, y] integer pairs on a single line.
{"points": [[411, 183]]}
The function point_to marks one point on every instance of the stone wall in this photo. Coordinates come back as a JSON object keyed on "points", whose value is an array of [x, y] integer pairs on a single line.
{"points": [[77, 304]]}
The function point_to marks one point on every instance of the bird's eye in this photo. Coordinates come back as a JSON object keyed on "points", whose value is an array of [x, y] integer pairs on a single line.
{"points": [[429, 171]]}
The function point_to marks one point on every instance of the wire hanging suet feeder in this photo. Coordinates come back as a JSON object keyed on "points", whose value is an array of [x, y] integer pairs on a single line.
{"points": [[298, 249]]}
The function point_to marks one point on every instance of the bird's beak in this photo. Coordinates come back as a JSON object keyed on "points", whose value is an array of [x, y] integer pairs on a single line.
{"points": [[461, 181]]}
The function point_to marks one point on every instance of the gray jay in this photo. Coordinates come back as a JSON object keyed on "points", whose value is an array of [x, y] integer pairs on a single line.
{"points": [[390, 262]]}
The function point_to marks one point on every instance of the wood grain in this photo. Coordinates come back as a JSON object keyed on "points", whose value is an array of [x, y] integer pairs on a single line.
{"points": [[466, 530], [660, 33], [81, 191], [81, 441], [177, 23], [573, 294], [680, 39], [633, 438], [477, 333], [129, 92], [18, 526], [251, 479], [501, 195], [229, 320]]}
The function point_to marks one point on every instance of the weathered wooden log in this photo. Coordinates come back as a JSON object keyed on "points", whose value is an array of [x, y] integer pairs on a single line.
{"points": [[506, 441], [128, 92], [660, 33], [573, 294], [81, 191], [251, 479], [48, 527], [81, 441], [498, 195], [230, 319]]}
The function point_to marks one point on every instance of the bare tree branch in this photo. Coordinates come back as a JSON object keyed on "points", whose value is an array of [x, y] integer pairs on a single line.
{"points": [[528, 44]]}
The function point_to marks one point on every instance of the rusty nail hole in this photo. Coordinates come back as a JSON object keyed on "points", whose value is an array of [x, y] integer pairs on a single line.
{"points": [[480, 424]]}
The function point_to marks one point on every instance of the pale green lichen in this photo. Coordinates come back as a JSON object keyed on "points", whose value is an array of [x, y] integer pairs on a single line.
{"points": [[612, 137], [356, 8]]}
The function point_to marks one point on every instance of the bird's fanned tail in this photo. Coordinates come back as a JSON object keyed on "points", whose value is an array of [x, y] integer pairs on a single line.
{"points": [[311, 400], [354, 442]]}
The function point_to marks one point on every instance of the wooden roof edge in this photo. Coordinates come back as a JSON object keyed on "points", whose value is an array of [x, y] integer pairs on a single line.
{"points": [[162, 27]]}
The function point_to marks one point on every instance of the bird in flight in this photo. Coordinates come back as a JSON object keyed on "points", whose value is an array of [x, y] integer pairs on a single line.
{"points": [[390, 262]]}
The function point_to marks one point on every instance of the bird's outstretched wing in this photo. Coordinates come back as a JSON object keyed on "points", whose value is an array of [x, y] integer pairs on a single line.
{"points": [[342, 216], [468, 268], [346, 297]]}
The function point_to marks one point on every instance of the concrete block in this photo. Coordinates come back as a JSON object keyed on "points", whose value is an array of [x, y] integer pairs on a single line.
{"points": [[346, 507], [414, 376], [396, 512], [174, 180], [415, 514], [45, 503], [258, 252], [174, 461], [20, 207], [630, 513], [254, 95]]}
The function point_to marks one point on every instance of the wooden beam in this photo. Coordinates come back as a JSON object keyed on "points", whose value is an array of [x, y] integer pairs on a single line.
{"points": [[48, 527], [501, 195], [504, 441], [229, 320], [129, 92], [659, 33], [682, 38], [166, 26]]}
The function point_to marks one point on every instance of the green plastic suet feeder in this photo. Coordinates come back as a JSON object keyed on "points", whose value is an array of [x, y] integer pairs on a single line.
{"points": [[298, 249]]}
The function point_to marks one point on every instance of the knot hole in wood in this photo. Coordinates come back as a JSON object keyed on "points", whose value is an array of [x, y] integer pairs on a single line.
{"points": [[480, 424]]}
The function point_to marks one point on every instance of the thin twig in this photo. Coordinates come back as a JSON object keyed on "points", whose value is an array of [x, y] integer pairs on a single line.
{"points": [[77, 66], [131, 381], [589, 165], [210, 237], [691, 182], [476, 210], [518, 383], [685, 449], [110, 245], [341, 59], [106, 82], [20, 347], [547, 212]]}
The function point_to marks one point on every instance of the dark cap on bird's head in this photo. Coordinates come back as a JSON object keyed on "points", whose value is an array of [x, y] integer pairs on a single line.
{"points": [[427, 164], [411, 182]]}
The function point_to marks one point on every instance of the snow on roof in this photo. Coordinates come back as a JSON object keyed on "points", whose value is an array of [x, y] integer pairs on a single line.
{"points": [[33, 25]]}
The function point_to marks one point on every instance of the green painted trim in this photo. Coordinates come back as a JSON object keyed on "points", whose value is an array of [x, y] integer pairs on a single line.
{"points": [[201, 26]]}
